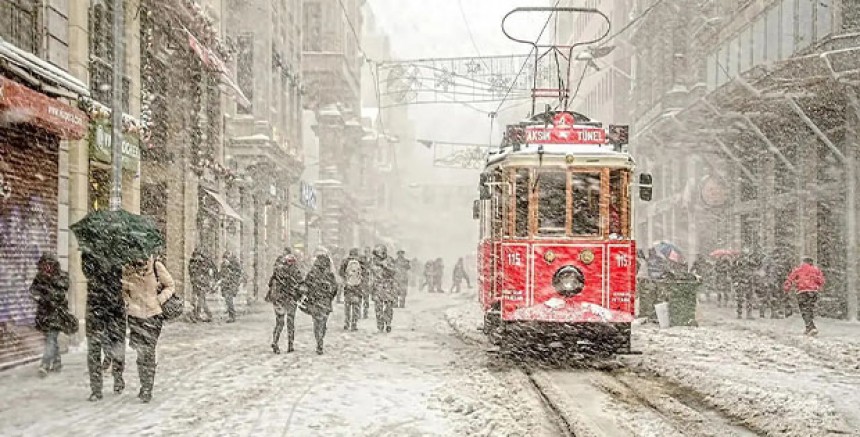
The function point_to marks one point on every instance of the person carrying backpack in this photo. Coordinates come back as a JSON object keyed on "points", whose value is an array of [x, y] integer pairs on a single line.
{"points": [[352, 273]]}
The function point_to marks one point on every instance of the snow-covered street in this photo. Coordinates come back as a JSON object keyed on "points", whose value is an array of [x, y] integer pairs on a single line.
{"points": [[725, 378], [222, 379]]}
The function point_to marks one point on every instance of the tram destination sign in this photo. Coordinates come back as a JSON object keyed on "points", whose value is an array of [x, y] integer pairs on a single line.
{"points": [[564, 131]]}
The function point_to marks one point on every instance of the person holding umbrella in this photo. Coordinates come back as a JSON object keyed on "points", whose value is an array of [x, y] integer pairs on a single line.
{"points": [[146, 285], [108, 241]]}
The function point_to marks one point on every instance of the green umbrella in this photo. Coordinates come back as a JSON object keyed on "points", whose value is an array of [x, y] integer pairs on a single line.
{"points": [[118, 237]]}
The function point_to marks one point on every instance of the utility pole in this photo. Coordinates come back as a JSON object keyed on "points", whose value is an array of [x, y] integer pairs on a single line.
{"points": [[116, 104]]}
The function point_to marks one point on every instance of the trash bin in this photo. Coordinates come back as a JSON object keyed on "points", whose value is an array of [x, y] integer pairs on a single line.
{"points": [[682, 301], [679, 293]]}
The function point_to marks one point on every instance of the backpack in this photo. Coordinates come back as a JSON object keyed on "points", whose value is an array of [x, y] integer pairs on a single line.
{"points": [[353, 273]]}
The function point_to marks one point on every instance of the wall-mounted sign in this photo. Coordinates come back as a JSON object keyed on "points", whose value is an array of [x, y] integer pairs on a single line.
{"points": [[308, 195], [100, 145]]}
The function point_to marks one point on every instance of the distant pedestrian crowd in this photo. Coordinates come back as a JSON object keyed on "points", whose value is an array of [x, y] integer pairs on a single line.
{"points": [[752, 281]]}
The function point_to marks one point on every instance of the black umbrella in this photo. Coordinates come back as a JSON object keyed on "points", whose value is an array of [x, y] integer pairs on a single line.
{"points": [[118, 237]]}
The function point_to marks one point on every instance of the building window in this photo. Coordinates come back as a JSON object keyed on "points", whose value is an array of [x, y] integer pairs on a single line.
{"points": [[312, 42], [101, 56], [19, 23], [245, 67]]}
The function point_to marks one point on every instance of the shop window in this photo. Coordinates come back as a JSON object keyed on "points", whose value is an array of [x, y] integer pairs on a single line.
{"points": [[19, 23], [99, 181], [552, 203], [586, 204], [521, 203]]}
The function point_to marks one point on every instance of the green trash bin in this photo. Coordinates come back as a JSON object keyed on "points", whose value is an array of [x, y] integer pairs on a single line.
{"points": [[680, 294], [682, 301]]}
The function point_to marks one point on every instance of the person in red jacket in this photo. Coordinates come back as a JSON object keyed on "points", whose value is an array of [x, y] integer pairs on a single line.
{"points": [[807, 280]]}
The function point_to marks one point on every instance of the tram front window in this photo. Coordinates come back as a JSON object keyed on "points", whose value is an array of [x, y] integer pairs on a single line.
{"points": [[552, 200], [521, 207], [586, 204]]}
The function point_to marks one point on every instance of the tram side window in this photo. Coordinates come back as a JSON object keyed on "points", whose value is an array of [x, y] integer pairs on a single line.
{"points": [[586, 204], [521, 207], [552, 203], [619, 208]]}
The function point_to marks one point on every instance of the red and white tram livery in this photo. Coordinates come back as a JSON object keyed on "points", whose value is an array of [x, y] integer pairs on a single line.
{"points": [[557, 253]]}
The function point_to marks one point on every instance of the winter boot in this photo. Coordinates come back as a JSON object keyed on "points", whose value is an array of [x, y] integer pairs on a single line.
{"points": [[147, 381], [276, 349], [813, 332], [319, 348], [95, 397], [388, 328], [43, 371], [290, 347], [118, 384]]}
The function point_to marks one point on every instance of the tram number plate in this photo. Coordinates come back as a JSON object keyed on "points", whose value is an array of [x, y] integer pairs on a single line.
{"points": [[515, 259], [621, 297]]}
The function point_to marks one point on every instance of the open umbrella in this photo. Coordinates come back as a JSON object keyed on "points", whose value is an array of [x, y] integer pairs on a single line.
{"points": [[118, 237], [724, 253], [668, 251]]}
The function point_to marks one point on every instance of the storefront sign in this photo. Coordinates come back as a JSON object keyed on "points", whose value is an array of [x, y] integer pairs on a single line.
{"points": [[100, 145], [20, 104]]}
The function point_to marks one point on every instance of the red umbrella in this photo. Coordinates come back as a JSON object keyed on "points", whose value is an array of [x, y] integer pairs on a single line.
{"points": [[722, 253]]}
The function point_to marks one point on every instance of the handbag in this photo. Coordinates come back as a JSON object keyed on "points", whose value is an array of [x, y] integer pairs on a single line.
{"points": [[68, 322], [173, 306]]}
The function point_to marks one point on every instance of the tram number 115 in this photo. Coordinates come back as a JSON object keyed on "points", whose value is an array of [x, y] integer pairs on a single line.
{"points": [[515, 259]]}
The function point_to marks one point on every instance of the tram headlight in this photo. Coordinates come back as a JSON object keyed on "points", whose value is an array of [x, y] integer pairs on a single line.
{"points": [[568, 281]]}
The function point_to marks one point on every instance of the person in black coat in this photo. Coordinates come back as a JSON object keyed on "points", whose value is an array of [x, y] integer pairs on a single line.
{"points": [[284, 296], [231, 278], [106, 322], [49, 290], [320, 291], [202, 272]]}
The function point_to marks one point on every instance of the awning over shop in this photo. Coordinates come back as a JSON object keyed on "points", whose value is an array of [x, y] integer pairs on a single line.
{"points": [[226, 209], [19, 104], [211, 60]]}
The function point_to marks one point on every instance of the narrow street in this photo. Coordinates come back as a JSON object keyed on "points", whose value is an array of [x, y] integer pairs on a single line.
{"points": [[222, 379]]}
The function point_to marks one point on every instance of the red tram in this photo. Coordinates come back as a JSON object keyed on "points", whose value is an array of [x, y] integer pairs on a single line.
{"points": [[557, 254]]}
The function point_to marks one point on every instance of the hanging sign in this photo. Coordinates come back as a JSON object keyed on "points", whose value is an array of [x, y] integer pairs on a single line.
{"points": [[565, 131], [100, 145]]}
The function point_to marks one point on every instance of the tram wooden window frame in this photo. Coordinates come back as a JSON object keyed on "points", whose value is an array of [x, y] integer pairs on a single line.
{"points": [[602, 225]]}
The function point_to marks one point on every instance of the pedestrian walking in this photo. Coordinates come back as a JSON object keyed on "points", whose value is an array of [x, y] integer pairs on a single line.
{"points": [[458, 276], [105, 322], [320, 290], [367, 285], [807, 280], [414, 272], [203, 273], [744, 279], [438, 274], [146, 285], [49, 290], [231, 277], [384, 288], [284, 296], [402, 266], [352, 273], [428, 277], [723, 281]]}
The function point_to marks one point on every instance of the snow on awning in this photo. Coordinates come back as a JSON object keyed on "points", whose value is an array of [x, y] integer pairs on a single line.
{"points": [[43, 69], [211, 60], [226, 209]]}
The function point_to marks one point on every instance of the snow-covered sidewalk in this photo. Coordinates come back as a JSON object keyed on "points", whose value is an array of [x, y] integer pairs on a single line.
{"points": [[222, 379]]}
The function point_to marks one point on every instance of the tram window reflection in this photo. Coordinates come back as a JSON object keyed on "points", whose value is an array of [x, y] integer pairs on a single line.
{"points": [[586, 203], [618, 205], [522, 203], [552, 200]]}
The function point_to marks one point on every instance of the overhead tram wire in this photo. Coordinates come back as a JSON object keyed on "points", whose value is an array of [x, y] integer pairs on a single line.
{"points": [[471, 36], [631, 23], [522, 68], [373, 65]]}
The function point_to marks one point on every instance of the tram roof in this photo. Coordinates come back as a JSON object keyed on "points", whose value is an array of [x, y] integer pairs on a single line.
{"points": [[578, 155]]}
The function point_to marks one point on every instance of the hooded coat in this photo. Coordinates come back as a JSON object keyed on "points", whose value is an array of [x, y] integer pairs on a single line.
{"points": [[48, 290], [321, 287], [231, 276], [285, 281]]}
